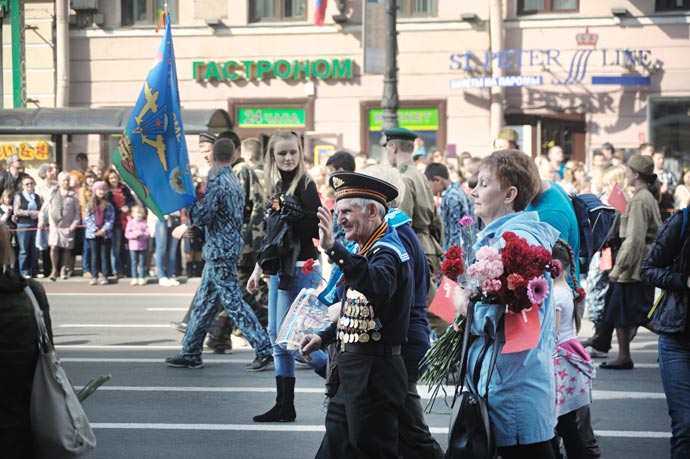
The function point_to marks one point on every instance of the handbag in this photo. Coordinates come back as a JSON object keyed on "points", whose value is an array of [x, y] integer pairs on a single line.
{"points": [[470, 435], [59, 425]]}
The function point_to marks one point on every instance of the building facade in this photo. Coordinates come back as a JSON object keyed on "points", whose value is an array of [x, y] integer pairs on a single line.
{"points": [[565, 72]]}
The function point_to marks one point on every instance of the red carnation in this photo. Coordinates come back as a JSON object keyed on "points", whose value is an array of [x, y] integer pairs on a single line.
{"points": [[509, 236], [454, 253], [516, 281], [453, 268], [308, 266]]}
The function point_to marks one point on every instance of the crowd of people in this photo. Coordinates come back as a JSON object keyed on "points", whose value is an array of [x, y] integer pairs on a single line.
{"points": [[383, 232], [88, 213]]}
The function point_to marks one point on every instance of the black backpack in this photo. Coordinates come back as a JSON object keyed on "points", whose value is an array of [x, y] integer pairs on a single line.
{"points": [[595, 221]]}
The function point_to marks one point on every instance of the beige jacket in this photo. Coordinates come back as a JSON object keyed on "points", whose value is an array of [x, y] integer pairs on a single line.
{"points": [[639, 225], [419, 205]]}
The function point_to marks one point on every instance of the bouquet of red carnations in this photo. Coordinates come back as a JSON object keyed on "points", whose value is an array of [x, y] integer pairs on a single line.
{"points": [[513, 275]]}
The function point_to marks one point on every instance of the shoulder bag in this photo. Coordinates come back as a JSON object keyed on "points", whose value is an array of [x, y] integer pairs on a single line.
{"points": [[59, 425], [470, 435]]}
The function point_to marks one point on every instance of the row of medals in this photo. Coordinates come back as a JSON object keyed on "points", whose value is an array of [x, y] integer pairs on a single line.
{"points": [[357, 321]]}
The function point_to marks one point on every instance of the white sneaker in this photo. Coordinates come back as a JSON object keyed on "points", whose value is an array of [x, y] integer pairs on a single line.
{"points": [[133, 282], [141, 281], [173, 282], [164, 281]]}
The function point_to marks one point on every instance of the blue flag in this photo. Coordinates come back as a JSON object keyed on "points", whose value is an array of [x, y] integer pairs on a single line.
{"points": [[152, 154]]}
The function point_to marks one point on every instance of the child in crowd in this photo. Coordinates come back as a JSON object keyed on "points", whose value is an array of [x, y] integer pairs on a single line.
{"points": [[137, 233], [100, 216], [573, 367]]}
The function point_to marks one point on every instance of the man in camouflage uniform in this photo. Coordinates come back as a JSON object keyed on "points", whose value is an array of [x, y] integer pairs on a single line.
{"points": [[220, 214], [252, 233], [418, 204]]}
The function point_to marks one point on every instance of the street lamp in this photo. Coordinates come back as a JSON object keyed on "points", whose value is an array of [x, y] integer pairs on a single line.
{"points": [[390, 101]]}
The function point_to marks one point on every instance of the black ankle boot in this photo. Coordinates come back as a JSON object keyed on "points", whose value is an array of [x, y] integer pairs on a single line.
{"points": [[284, 409], [189, 269], [288, 413], [273, 415]]}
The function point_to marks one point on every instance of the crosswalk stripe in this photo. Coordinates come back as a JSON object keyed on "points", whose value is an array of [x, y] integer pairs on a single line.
{"points": [[112, 326], [121, 294], [320, 428], [215, 361], [597, 395], [131, 360], [115, 347]]}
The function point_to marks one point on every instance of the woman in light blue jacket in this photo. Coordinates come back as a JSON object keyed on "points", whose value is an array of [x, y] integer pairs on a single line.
{"points": [[521, 391]]}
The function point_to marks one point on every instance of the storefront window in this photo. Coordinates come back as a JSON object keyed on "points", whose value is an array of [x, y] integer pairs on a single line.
{"points": [[669, 124], [426, 119], [276, 10], [144, 12], [547, 6], [671, 5]]}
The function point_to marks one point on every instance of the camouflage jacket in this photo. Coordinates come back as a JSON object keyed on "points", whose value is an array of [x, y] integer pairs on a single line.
{"points": [[220, 214], [254, 206]]}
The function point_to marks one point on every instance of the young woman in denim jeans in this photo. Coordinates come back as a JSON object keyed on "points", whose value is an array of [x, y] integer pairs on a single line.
{"points": [[286, 180], [667, 266], [100, 217]]}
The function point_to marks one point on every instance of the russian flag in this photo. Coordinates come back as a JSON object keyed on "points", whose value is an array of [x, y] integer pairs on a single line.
{"points": [[320, 11]]}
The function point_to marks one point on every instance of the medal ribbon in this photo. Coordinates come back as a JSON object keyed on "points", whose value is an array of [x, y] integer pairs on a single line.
{"points": [[373, 239]]}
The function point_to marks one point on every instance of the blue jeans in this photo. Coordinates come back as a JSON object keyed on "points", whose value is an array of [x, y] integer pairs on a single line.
{"points": [[166, 250], [100, 255], [674, 366], [279, 302], [86, 256], [28, 252], [138, 262], [116, 249]]}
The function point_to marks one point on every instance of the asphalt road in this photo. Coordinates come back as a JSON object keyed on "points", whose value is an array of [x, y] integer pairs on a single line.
{"points": [[148, 410]]}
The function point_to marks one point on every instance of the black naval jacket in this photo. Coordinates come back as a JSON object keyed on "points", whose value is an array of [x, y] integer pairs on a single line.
{"points": [[385, 278]]}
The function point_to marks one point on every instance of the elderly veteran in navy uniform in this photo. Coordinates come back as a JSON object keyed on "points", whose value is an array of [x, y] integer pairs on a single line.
{"points": [[376, 296]]}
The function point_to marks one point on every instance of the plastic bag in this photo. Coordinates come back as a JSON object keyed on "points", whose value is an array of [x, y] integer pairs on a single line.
{"points": [[306, 315]]}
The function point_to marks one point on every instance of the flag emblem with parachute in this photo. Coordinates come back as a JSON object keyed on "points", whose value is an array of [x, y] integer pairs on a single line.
{"points": [[152, 153]]}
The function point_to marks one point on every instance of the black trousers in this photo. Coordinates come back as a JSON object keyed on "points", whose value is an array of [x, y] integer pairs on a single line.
{"points": [[603, 330], [575, 428], [414, 439], [362, 418]]}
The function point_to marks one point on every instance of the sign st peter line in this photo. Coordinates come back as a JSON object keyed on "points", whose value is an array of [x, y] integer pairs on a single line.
{"points": [[514, 60]]}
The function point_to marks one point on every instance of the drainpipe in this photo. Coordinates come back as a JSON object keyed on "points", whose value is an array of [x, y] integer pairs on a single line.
{"points": [[62, 53], [496, 43]]}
